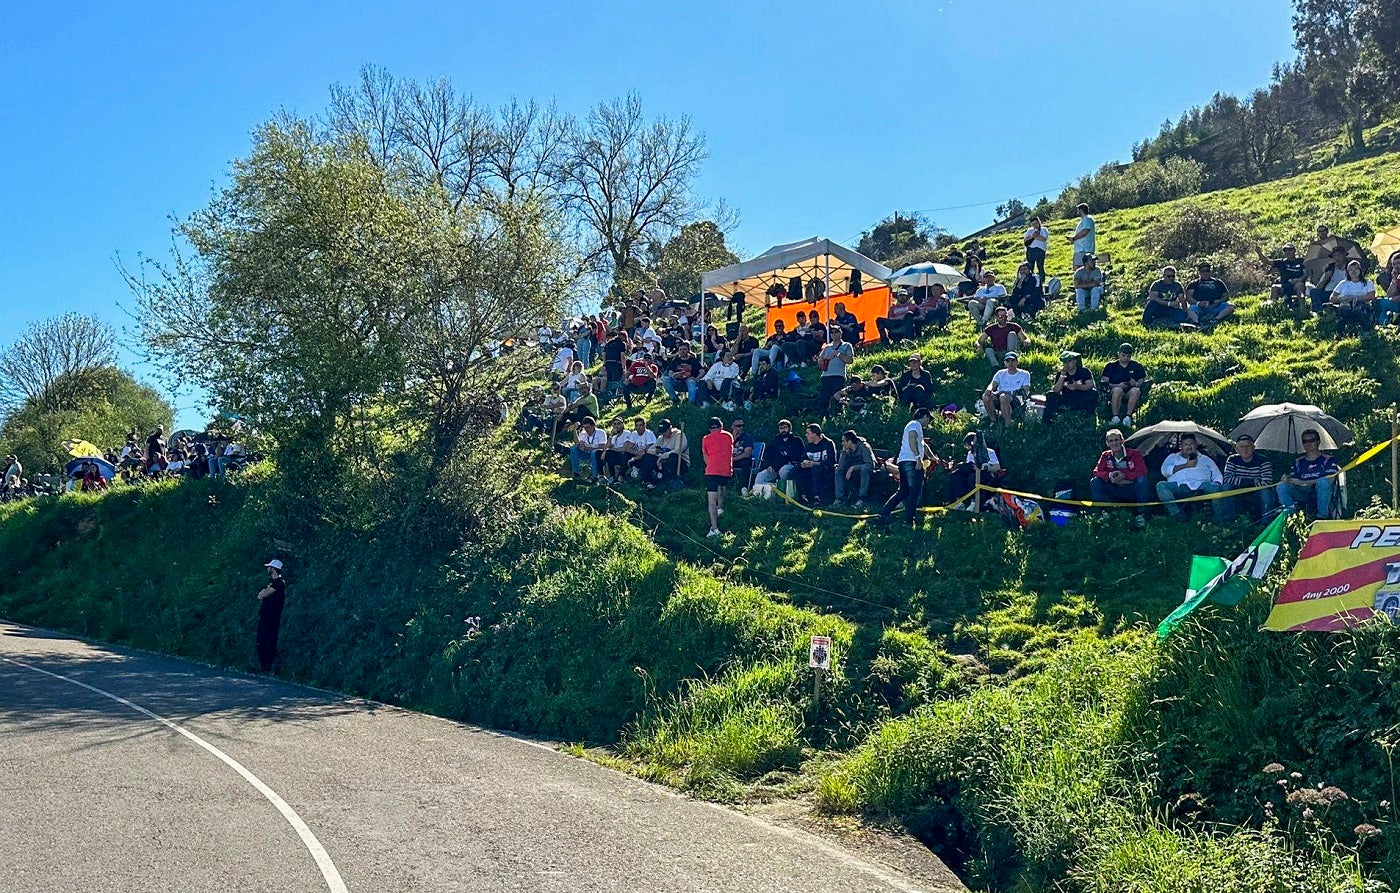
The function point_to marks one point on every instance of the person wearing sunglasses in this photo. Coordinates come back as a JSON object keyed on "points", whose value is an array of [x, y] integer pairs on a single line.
{"points": [[1312, 481], [1165, 305]]}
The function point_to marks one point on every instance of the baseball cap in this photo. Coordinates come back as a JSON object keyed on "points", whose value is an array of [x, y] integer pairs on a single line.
{"points": [[1011, 355], [1247, 437], [1068, 355], [275, 564], [1125, 347], [663, 425], [1289, 246]]}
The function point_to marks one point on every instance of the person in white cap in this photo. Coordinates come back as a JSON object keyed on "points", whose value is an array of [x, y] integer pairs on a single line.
{"points": [[271, 599]]}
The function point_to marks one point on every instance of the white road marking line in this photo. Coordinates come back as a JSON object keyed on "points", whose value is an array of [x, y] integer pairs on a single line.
{"points": [[323, 860]]}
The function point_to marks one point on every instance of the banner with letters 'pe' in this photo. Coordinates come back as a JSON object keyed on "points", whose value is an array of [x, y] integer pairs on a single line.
{"points": [[1347, 574]]}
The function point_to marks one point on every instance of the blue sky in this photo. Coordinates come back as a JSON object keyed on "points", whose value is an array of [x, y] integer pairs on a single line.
{"points": [[821, 117]]}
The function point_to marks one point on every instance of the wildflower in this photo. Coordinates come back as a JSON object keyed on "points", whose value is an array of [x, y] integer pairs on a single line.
{"points": [[1332, 794], [1296, 776], [1385, 804], [1308, 814], [1274, 768], [1366, 831]]}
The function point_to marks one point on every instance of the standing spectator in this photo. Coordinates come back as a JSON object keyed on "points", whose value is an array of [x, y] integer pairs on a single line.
{"points": [[1120, 475], [854, 466], [722, 383], [815, 472], [1312, 479], [718, 449], [14, 473], [589, 445], [781, 455], [833, 359], [1007, 390], [985, 301], [1026, 298], [1124, 378], [583, 344], [1037, 239], [683, 371], [614, 352], [641, 379], [1088, 284], [743, 454], [1084, 238], [1290, 276], [999, 338], [915, 386], [271, 599], [1247, 470], [1166, 302], [1072, 389], [1208, 297], [913, 451], [1188, 473], [155, 448], [563, 359]]}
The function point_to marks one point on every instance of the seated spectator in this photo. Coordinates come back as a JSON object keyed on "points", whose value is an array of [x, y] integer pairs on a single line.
{"points": [[1388, 285], [615, 456], [1247, 470], [1088, 284], [772, 349], [1187, 472], [1353, 300], [641, 379], [1312, 481], [1290, 276], [1208, 297], [972, 276], [802, 347], [847, 322], [932, 309], [834, 357], [556, 406], [91, 478], [999, 337], [1120, 475], [199, 464], [563, 359], [781, 455], [900, 321], [1166, 302], [683, 371], [745, 347], [854, 466], [981, 459], [815, 473], [1008, 389], [1124, 379], [1073, 389], [743, 453], [722, 384], [1332, 275], [585, 406], [765, 384], [1027, 298], [880, 385], [984, 302], [714, 345], [915, 386], [646, 337], [672, 462]]}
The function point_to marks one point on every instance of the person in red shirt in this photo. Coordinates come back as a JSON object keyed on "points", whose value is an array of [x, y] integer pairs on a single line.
{"points": [[1120, 475], [718, 449], [641, 378]]}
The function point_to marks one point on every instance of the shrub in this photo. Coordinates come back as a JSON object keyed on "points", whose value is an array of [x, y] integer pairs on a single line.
{"points": [[1130, 186], [1197, 232]]}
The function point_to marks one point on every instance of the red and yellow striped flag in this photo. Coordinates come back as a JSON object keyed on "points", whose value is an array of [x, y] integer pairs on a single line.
{"points": [[1348, 573]]}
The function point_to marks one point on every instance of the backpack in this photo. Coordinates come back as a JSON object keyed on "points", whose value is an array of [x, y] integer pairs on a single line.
{"points": [[1054, 286]]}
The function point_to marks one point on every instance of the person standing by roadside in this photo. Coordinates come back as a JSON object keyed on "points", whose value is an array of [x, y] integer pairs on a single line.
{"points": [[718, 449], [1037, 240], [271, 599]]}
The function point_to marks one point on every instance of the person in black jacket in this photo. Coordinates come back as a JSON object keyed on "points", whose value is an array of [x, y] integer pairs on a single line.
{"points": [[915, 386], [816, 471], [766, 383], [781, 457], [271, 599], [1026, 298]]}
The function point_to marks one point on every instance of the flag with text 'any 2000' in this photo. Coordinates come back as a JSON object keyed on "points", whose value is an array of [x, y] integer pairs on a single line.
{"points": [[1347, 573]]}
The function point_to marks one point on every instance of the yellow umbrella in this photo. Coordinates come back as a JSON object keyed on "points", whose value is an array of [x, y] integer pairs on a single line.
{"points": [[81, 449], [1385, 244]]}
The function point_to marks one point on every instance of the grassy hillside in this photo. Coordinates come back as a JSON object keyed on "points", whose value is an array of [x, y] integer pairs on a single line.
{"points": [[998, 692]]}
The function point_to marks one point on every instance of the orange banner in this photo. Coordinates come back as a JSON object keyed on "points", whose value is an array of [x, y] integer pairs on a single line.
{"points": [[1347, 574], [867, 307]]}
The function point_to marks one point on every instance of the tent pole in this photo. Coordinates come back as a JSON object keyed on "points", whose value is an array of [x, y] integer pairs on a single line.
{"points": [[828, 289]]}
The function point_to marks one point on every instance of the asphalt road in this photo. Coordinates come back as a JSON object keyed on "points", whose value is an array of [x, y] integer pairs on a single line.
{"points": [[251, 784]]}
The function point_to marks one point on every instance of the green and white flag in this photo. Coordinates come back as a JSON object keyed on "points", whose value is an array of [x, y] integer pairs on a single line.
{"points": [[1226, 583]]}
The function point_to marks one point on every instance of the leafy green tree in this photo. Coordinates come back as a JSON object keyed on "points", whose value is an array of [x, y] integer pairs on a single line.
{"points": [[897, 234], [678, 263], [100, 405], [49, 363], [1347, 49], [1013, 207]]}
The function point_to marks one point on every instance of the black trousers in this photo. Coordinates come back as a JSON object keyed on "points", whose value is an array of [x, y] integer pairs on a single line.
{"points": [[1084, 401], [1036, 258], [269, 621]]}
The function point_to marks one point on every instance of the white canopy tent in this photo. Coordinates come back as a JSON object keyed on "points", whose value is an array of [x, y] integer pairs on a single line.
{"points": [[814, 258]]}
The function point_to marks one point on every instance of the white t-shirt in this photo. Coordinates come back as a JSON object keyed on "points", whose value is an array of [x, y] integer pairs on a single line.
{"points": [[1007, 382], [992, 458], [618, 441], [1040, 238], [597, 440], [1205, 470], [649, 336], [990, 291], [719, 372], [1087, 242], [905, 453], [644, 440], [1352, 292], [563, 359]]}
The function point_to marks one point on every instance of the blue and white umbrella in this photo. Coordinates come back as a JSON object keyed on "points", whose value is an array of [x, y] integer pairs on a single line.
{"points": [[108, 471], [927, 274]]}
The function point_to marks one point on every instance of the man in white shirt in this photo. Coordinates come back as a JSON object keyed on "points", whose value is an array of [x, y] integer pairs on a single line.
{"points": [[1083, 238], [1037, 239], [722, 381], [647, 335], [1008, 388], [1188, 472], [563, 359], [913, 451], [589, 445], [985, 301]]}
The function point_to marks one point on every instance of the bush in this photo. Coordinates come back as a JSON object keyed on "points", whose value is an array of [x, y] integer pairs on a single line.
{"points": [[1129, 186], [1198, 232]]}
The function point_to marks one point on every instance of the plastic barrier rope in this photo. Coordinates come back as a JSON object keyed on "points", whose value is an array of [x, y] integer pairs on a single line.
{"points": [[1365, 457]]}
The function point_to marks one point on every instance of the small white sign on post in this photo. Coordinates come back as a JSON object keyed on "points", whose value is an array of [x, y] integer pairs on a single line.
{"points": [[820, 653]]}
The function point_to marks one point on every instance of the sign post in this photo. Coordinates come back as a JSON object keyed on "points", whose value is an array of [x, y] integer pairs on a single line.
{"points": [[819, 659]]}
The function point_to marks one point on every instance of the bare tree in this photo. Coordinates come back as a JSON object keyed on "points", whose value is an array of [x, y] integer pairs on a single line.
{"points": [[370, 111], [450, 138], [49, 365], [529, 149], [629, 179]]}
